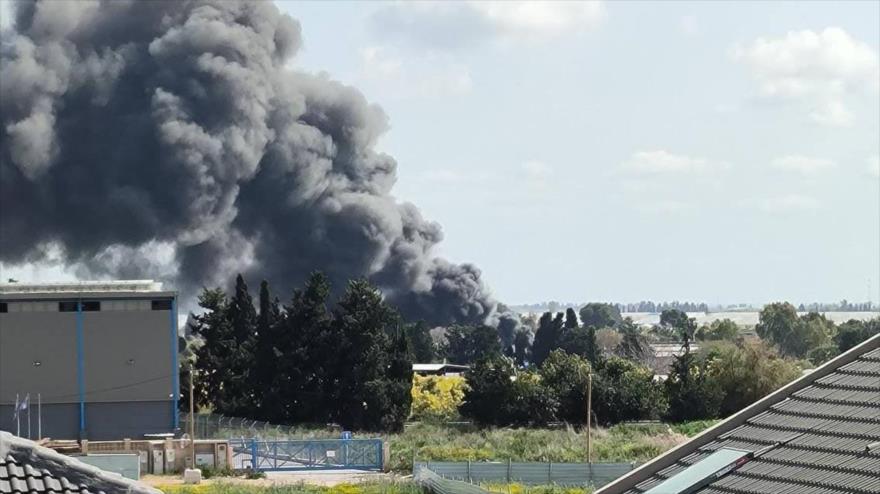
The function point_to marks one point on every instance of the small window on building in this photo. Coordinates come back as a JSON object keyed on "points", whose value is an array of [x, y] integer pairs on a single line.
{"points": [[161, 304], [4, 307], [66, 306], [91, 306]]}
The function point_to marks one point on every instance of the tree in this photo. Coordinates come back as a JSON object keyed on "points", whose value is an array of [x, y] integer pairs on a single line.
{"points": [[224, 360], [633, 344], [607, 340], [582, 342], [625, 390], [566, 375], [692, 395], [304, 348], [437, 398], [853, 332], [571, 319], [366, 373], [420, 342], [777, 323], [600, 315], [468, 344], [498, 395], [547, 337], [720, 329], [266, 358], [685, 326], [747, 371], [522, 348], [490, 386]]}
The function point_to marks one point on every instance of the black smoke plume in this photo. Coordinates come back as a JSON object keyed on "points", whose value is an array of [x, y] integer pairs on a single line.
{"points": [[132, 128]]}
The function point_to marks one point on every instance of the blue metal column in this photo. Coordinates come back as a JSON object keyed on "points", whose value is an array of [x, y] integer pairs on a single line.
{"points": [[175, 371], [80, 371]]}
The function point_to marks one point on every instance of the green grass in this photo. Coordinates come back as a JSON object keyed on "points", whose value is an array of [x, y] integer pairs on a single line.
{"points": [[620, 443], [535, 489], [383, 487]]}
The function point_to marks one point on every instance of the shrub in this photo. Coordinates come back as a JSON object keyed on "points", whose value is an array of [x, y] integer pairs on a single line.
{"points": [[625, 390], [746, 372], [437, 398]]}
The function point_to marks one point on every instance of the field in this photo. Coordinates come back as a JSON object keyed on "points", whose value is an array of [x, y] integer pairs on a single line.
{"points": [[382, 487], [620, 443]]}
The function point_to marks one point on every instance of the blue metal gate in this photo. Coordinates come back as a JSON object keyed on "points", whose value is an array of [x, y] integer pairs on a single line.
{"points": [[310, 454]]}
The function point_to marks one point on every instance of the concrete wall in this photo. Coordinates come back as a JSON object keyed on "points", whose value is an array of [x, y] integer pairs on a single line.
{"points": [[127, 360]]}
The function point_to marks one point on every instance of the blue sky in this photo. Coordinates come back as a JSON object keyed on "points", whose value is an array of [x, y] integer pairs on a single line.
{"points": [[713, 151]]}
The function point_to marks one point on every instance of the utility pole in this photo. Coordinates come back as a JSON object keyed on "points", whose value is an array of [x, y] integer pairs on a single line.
{"points": [[192, 415], [589, 416]]}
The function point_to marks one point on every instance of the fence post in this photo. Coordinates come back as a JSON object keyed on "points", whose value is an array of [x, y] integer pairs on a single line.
{"points": [[254, 460], [549, 472], [469, 471]]}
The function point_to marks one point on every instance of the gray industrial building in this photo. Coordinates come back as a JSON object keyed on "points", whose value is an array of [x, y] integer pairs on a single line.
{"points": [[100, 356]]}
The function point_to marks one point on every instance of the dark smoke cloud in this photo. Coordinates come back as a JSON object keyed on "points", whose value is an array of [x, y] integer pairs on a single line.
{"points": [[130, 127]]}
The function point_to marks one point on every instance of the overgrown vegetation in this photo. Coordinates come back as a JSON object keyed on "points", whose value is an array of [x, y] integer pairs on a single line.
{"points": [[619, 443], [381, 487]]}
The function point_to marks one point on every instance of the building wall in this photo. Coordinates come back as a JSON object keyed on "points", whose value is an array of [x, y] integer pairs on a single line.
{"points": [[128, 368], [105, 421]]}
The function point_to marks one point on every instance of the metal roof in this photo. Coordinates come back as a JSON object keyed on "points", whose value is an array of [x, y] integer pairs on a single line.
{"points": [[83, 286], [26, 467], [439, 367], [814, 435]]}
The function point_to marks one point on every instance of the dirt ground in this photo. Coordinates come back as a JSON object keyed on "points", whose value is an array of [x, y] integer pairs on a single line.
{"points": [[325, 477]]}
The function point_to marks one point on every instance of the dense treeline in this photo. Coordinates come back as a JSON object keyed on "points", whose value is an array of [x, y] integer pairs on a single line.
{"points": [[350, 361], [304, 361], [544, 379]]}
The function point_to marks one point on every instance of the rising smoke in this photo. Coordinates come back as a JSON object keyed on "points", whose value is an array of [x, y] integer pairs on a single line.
{"points": [[136, 127]]}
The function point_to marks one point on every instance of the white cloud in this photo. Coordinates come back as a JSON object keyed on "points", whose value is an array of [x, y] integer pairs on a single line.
{"points": [[873, 168], [662, 162], [423, 76], [816, 68], [460, 25], [539, 19], [787, 203], [805, 165]]}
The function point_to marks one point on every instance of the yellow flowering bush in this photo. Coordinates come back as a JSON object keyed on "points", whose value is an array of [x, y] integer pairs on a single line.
{"points": [[436, 398]]}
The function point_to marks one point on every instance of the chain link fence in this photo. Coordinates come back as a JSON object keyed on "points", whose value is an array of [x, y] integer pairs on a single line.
{"points": [[216, 426], [527, 473]]}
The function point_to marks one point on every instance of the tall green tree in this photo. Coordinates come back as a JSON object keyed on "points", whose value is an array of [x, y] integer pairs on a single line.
{"points": [[853, 332], [678, 320], [304, 349], [581, 342], [633, 345], [547, 337], [266, 396], [358, 380], [468, 344], [522, 348], [794, 336], [420, 342], [213, 356], [600, 315], [571, 319]]}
